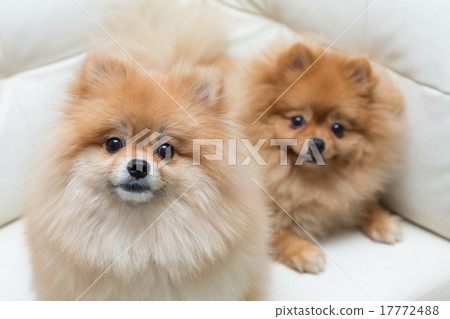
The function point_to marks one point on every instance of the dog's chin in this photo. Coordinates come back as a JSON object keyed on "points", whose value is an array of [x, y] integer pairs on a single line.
{"points": [[136, 194]]}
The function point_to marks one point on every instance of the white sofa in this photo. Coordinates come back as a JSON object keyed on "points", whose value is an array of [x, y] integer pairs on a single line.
{"points": [[42, 43]]}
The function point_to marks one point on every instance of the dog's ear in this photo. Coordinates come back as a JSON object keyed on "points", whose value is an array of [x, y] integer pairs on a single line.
{"points": [[204, 84], [96, 72], [210, 86], [359, 72], [297, 58]]}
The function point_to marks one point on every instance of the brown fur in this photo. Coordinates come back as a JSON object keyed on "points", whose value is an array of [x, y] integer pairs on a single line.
{"points": [[208, 242], [211, 244], [323, 199]]}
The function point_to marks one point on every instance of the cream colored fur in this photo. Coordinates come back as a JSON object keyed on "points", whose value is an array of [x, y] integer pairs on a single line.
{"points": [[209, 243]]}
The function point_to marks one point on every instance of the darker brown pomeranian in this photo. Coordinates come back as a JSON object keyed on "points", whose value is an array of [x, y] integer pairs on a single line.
{"points": [[349, 114]]}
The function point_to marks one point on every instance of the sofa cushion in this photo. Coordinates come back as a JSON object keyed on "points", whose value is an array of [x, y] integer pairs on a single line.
{"points": [[34, 34], [28, 105]]}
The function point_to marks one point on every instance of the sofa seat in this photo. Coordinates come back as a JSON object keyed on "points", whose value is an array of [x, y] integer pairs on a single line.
{"points": [[359, 269]]}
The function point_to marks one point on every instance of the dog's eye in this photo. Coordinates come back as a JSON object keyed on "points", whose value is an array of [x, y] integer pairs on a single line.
{"points": [[166, 151], [113, 145], [337, 129], [297, 122]]}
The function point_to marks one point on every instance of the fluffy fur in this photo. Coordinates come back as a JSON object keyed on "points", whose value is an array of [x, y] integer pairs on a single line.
{"points": [[207, 242], [177, 32], [338, 88]]}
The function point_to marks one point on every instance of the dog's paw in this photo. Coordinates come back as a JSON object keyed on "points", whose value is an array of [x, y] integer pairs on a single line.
{"points": [[302, 256], [309, 260], [383, 228]]}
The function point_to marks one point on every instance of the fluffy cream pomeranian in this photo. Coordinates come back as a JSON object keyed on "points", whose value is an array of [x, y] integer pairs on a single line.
{"points": [[352, 112], [117, 208]]}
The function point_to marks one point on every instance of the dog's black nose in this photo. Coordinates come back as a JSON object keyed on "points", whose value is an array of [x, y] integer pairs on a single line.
{"points": [[138, 168], [320, 144]]}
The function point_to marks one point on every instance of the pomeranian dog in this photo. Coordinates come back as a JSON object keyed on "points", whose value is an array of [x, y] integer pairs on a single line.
{"points": [[348, 115], [117, 208]]}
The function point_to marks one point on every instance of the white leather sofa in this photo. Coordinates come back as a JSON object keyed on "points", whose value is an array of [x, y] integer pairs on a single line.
{"points": [[42, 43]]}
